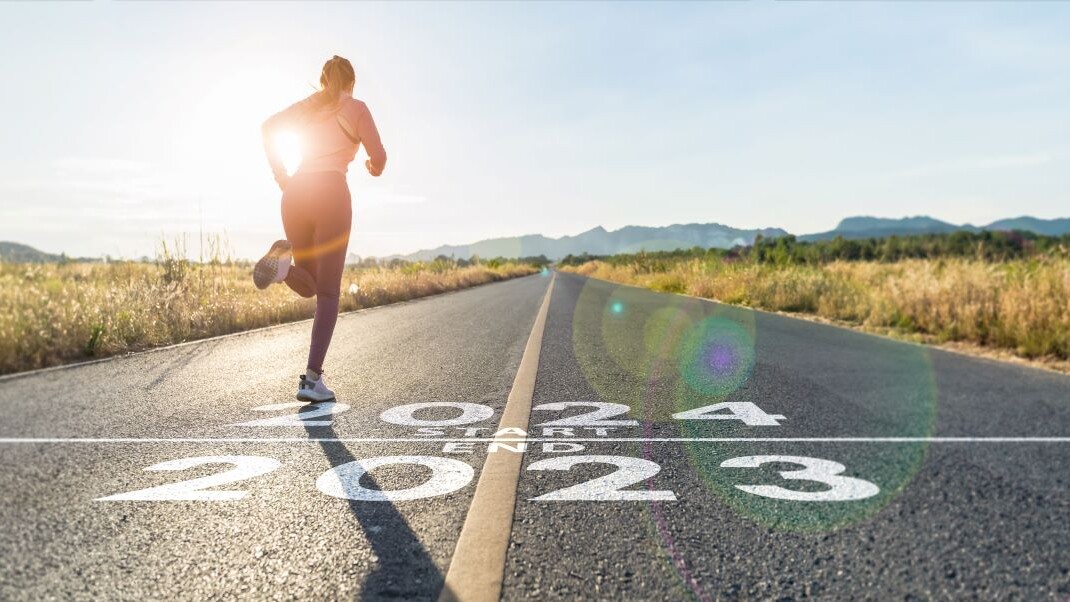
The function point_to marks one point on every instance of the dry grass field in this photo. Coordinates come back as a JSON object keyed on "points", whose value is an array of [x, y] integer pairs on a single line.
{"points": [[1021, 305], [56, 313]]}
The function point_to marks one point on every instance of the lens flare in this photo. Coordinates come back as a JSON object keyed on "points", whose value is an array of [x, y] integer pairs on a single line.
{"points": [[717, 356], [667, 354], [664, 330]]}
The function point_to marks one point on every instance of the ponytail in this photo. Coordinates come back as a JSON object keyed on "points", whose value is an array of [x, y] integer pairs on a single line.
{"points": [[337, 75]]}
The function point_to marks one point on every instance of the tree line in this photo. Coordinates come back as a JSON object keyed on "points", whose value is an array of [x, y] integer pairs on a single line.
{"points": [[445, 260], [788, 250]]}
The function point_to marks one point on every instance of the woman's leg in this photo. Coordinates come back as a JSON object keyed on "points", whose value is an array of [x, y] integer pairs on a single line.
{"points": [[300, 278], [331, 241], [300, 229]]}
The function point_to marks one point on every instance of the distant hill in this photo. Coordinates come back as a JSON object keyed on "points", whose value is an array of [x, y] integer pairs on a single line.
{"points": [[921, 223], [599, 241], [879, 227], [1047, 227], [630, 239], [13, 252]]}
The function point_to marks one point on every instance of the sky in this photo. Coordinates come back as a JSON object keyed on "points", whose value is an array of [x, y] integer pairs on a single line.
{"points": [[126, 123]]}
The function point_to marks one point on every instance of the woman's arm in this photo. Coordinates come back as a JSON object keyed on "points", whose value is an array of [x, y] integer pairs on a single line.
{"points": [[369, 136], [281, 120]]}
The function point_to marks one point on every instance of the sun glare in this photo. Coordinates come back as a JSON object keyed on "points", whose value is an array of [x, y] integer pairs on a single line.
{"points": [[289, 146], [220, 134]]}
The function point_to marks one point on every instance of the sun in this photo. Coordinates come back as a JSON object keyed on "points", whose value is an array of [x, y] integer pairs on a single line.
{"points": [[219, 136], [288, 144]]}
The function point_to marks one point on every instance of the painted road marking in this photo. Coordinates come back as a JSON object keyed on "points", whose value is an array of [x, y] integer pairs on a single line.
{"points": [[477, 568], [449, 475], [343, 481], [827, 472], [245, 467], [598, 417], [745, 411], [630, 471], [31, 440], [405, 415], [301, 419]]}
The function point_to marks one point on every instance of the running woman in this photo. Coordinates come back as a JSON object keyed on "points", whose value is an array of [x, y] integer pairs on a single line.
{"points": [[316, 205]]}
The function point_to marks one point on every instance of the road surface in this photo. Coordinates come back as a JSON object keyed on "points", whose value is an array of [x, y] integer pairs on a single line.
{"points": [[645, 446]]}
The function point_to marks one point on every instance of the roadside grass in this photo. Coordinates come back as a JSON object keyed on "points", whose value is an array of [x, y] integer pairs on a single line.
{"points": [[56, 313], [1019, 305]]}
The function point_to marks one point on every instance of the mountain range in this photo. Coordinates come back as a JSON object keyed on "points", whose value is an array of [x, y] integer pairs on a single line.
{"points": [[599, 241], [879, 227]]}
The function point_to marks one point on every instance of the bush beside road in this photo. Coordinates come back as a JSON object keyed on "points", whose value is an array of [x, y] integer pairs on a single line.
{"points": [[1018, 305], [54, 313]]}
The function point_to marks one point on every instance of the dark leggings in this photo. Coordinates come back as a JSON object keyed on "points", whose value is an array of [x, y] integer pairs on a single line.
{"points": [[317, 214]]}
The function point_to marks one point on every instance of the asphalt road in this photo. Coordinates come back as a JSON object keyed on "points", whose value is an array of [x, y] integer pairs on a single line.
{"points": [[931, 475]]}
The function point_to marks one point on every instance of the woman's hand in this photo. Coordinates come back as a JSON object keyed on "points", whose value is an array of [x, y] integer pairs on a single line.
{"points": [[372, 169], [283, 180]]}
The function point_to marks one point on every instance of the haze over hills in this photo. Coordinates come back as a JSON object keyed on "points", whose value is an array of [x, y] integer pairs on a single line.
{"points": [[879, 227], [1047, 227], [599, 241], [14, 252]]}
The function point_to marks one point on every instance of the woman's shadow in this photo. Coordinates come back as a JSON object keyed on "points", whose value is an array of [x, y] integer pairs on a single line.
{"points": [[405, 568]]}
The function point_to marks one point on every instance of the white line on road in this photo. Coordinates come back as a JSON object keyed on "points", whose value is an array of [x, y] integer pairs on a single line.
{"points": [[4, 440]]}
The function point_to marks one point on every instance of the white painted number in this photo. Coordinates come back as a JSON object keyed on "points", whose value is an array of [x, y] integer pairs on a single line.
{"points": [[343, 481], [317, 410], [449, 475], [608, 488], [843, 488], [245, 467], [596, 418], [744, 411], [404, 415]]}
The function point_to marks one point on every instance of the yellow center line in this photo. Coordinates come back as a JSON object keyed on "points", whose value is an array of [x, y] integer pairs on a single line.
{"points": [[478, 564]]}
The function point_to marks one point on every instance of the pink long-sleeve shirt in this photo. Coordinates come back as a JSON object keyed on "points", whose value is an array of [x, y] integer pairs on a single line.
{"points": [[329, 137]]}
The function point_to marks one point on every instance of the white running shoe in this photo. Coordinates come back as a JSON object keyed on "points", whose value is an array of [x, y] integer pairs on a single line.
{"points": [[274, 266], [313, 390]]}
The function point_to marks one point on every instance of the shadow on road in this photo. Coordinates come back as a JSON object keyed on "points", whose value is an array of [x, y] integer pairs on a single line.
{"points": [[405, 568], [179, 360]]}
